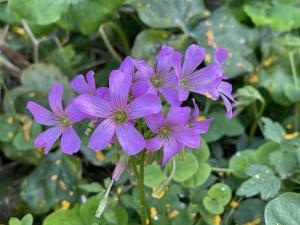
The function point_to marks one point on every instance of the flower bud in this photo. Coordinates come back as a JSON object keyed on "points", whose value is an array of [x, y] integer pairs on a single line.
{"points": [[103, 202], [120, 167]]}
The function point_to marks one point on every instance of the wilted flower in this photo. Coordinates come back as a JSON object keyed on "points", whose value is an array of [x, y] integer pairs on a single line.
{"points": [[61, 120], [172, 132], [162, 80], [120, 167], [118, 113]]}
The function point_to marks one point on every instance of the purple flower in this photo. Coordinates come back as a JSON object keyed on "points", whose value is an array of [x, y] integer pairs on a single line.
{"points": [[200, 125], [87, 85], [118, 114], [172, 132], [61, 120], [161, 80]]}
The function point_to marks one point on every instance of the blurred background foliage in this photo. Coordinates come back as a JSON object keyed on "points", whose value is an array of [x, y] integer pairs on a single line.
{"points": [[242, 163]]}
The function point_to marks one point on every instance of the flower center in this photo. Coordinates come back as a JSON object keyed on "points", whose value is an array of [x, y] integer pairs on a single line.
{"points": [[64, 121], [120, 116], [164, 131], [184, 83], [156, 81]]}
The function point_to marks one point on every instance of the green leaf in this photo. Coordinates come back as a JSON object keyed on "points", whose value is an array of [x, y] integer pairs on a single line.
{"points": [[52, 181], [273, 130], [220, 192], [275, 16], [212, 205], [27, 219], [202, 154], [91, 188], [148, 43], [221, 29], [200, 177], [283, 210], [248, 211], [284, 162], [166, 14], [9, 126], [116, 216], [22, 142], [262, 154], [240, 161], [63, 217], [89, 14], [292, 93], [185, 168], [40, 12], [273, 79], [153, 175], [223, 127], [262, 182], [247, 95], [14, 221]]}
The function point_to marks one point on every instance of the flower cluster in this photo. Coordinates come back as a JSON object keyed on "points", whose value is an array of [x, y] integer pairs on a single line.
{"points": [[138, 90]]}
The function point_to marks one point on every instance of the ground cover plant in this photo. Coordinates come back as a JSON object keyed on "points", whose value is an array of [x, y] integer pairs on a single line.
{"points": [[149, 112]]}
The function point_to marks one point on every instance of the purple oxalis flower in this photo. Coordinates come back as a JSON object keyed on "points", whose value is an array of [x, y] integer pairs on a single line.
{"points": [[162, 80], [61, 120], [118, 114], [172, 132]]}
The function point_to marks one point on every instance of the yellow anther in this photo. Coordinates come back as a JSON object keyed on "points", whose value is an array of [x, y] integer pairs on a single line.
{"points": [[65, 204], [153, 211], [201, 118], [62, 185], [217, 219], [54, 177], [9, 120], [173, 213], [207, 95], [291, 135], [254, 222], [207, 57], [100, 156], [253, 79], [268, 61], [233, 204], [119, 190]]}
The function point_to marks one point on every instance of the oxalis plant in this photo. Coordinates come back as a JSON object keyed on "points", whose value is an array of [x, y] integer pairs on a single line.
{"points": [[145, 112]]}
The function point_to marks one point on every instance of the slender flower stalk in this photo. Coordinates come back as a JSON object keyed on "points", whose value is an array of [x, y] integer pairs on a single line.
{"points": [[103, 203]]}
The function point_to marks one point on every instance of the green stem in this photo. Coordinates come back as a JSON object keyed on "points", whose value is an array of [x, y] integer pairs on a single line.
{"points": [[35, 42], [257, 121], [121, 35], [108, 44], [217, 169], [294, 70], [141, 188]]}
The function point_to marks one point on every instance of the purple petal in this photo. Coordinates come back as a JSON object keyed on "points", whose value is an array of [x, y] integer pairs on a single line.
{"points": [[103, 92], [47, 138], [42, 115], [79, 85], [91, 81], [74, 113], [102, 135], [94, 106], [140, 88], [131, 141], [155, 121], [119, 85], [196, 112], [144, 106], [179, 115], [182, 93], [164, 60], [200, 126], [220, 55], [55, 99], [226, 89], [228, 106], [171, 96], [177, 57], [144, 69], [187, 136], [70, 141], [127, 66], [170, 148], [153, 144], [194, 55]]}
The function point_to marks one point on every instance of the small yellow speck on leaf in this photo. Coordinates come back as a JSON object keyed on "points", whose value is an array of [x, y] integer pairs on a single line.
{"points": [[71, 193], [291, 135], [62, 185], [153, 212], [32, 94], [173, 214], [268, 62], [119, 190], [233, 204], [65, 204], [217, 220], [10, 135], [54, 177], [253, 79], [100, 156], [9, 120], [254, 222]]}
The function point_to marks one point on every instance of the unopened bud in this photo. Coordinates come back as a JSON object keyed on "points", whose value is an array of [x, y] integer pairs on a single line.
{"points": [[103, 202], [120, 167]]}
